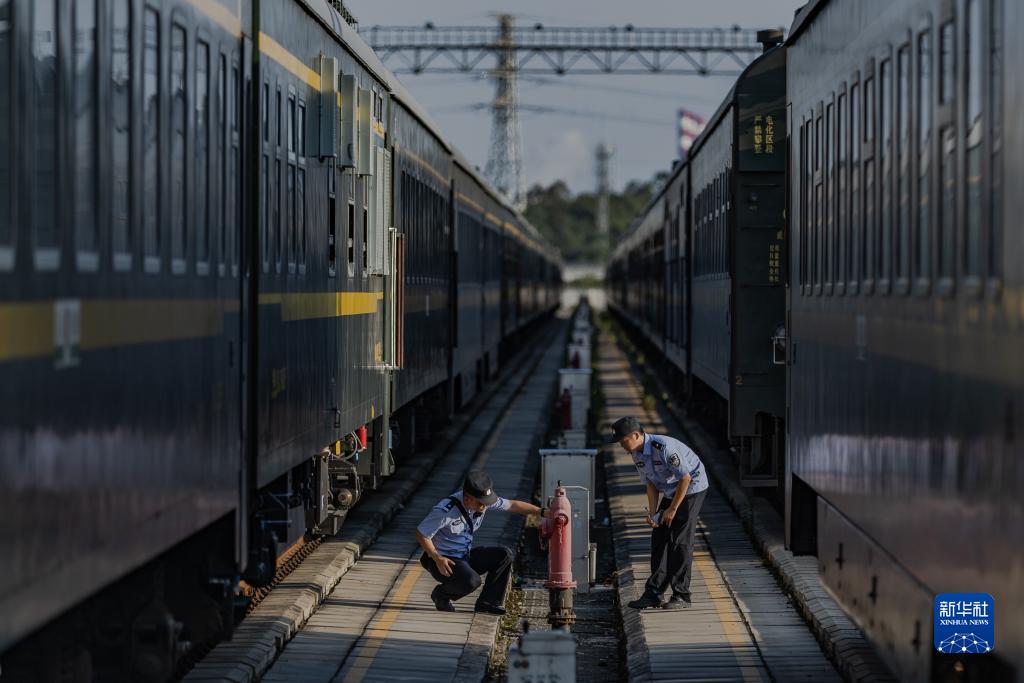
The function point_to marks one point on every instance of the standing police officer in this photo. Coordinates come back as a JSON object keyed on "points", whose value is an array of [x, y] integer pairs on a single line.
{"points": [[446, 535], [672, 470]]}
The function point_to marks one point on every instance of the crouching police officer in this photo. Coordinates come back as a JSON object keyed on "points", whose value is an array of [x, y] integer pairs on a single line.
{"points": [[446, 535], [672, 470]]}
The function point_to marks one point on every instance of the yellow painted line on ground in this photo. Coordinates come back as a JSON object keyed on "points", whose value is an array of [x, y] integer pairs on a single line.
{"points": [[735, 633], [279, 54], [367, 652]]}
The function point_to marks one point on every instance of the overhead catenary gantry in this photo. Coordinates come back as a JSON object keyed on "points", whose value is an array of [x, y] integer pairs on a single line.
{"points": [[507, 51], [576, 50]]}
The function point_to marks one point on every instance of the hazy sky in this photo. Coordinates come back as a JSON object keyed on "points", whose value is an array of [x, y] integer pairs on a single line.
{"points": [[562, 146]]}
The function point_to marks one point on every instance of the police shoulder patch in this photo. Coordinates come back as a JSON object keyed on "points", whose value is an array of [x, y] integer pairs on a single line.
{"points": [[657, 444], [673, 460], [638, 463]]}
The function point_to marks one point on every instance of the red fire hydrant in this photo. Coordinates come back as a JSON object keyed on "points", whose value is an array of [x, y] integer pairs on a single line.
{"points": [[565, 409], [557, 530]]}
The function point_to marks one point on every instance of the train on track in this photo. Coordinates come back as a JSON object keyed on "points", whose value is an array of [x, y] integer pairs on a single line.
{"points": [[833, 271], [242, 276]]}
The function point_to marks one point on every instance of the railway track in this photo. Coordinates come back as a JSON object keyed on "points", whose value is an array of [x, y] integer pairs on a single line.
{"points": [[289, 600]]}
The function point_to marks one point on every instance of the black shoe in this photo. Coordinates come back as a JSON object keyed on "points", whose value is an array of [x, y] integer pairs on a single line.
{"points": [[488, 608], [645, 601], [442, 603], [677, 602]]}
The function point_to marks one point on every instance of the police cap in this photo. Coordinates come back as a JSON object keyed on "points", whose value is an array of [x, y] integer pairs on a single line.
{"points": [[622, 428], [480, 486]]}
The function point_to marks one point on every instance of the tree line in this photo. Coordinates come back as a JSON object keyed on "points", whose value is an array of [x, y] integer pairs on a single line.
{"points": [[570, 221]]}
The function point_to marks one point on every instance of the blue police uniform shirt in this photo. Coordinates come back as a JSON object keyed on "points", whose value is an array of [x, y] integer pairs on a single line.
{"points": [[663, 461], [446, 526]]}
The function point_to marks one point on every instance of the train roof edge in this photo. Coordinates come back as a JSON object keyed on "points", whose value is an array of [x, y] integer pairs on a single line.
{"points": [[699, 142], [350, 37]]}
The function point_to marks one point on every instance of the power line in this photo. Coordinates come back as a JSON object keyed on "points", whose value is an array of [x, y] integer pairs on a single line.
{"points": [[561, 111]]}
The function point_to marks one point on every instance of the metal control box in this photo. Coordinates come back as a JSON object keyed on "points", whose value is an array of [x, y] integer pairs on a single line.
{"points": [[577, 381], [543, 657]]}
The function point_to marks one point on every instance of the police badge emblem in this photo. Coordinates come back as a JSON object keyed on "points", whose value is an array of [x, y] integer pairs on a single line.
{"points": [[673, 460]]}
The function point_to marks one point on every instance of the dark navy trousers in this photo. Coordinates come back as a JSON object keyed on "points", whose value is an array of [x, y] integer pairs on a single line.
{"points": [[494, 561], [672, 548]]}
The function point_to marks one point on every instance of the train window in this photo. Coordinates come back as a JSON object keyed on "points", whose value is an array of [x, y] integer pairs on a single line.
{"points": [[233, 194], [151, 140], [278, 117], [300, 216], [366, 235], [869, 109], [279, 228], [43, 186], [802, 226], [292, 224], [220, 201], [855, 268], [829, 235], [842, 198], [265, 112], [818, 134], [947, 156], [947, 63], [265, 212], [809, 184], [202, 154], [947, 141], [291, 124], [973, 69], [6, 124], [179, 118], [870, 227], [818, 199], [85, 134], [923, 235], [884, 244], [351, 236], [121, 134], [301, 130], [902, 245], [995, 102]]}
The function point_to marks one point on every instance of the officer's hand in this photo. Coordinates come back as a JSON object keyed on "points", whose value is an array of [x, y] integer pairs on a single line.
{"points": [[444, 565], [667, 516], [651, 523]]}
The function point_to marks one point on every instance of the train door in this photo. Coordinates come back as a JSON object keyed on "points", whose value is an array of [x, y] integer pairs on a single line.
{"points": [[757, 227], [685, 260], [453, 296], [241, 175]]}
